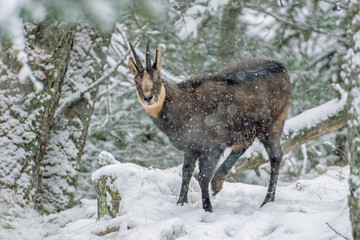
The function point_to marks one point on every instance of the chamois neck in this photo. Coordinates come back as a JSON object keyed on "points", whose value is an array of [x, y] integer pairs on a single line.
{"points": [[176, 100], [173, 92], [175, 97]]}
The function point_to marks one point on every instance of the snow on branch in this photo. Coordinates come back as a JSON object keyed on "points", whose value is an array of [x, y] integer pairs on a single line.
{"points": [[314, 116], [12, 24], [26, 72], [76, 96], [170, 77]]}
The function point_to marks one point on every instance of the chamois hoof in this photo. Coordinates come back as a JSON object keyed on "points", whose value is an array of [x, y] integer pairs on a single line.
{"points": [[208, 208], [214, 192], [267, 199], [181, 202], [264, 202]]}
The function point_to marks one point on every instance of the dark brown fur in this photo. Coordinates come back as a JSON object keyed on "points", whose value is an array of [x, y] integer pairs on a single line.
{"points": [[205, 115], [214, 112]]}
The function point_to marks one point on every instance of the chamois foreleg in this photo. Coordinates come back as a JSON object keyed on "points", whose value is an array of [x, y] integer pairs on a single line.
{"points": [[275, 152], [207, 166], [187, 172], [224, 169]]}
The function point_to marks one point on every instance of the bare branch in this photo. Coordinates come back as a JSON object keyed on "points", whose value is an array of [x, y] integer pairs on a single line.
{"points": [[322, 56], [108, 108], [281, 3], [337, 232], [337, 4], [300, 26]]}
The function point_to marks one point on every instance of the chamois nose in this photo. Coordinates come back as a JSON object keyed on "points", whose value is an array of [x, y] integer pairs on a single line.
{"points": [[148, 99]]}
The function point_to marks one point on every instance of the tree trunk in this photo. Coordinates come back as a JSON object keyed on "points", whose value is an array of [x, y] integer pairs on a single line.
{"points": [[229, 33], [40, 156], [69, 131], [351, 73]]}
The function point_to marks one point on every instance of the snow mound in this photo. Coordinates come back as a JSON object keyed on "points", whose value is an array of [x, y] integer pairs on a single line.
{"points": [[148, 209]]}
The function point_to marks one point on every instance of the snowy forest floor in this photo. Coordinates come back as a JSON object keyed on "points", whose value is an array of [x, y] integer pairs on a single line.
{"points": [[303, 210]]}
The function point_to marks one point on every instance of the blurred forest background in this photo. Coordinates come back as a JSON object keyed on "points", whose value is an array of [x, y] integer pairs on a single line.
{"points": [[66, 93]]}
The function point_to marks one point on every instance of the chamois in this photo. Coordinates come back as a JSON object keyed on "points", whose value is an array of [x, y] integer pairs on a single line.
{"points": [[207, 114]]}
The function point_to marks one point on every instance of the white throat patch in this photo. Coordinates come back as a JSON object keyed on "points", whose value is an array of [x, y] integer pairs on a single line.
{"points": [[154, 108]]}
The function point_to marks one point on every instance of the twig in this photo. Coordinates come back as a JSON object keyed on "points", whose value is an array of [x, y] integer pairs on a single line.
{"points": [[341, 5], [338, 90], [108, 231], [323, 56], [300, 26], [305, 158], [77, 96], [108, 111], [335, 148], [336, 231]]}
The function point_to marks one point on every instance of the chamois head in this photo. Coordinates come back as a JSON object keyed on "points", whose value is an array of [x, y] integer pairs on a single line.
{"points": [[150, 89]]}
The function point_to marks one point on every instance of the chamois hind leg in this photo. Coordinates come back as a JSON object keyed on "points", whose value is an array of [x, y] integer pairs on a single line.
{"points": [[224, 169], [271, 140], [187, 171], [207, 166], [275, 152]]}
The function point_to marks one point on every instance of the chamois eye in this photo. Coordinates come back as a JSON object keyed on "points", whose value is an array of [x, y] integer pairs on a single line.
{"points": [[137, 80]]}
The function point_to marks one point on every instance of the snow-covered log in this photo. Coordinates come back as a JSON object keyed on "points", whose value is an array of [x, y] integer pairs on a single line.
{"points": [[301, 129]]}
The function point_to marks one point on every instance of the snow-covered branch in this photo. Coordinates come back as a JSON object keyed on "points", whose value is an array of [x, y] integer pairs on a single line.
{"points": [[303, 128], [76, 96]]}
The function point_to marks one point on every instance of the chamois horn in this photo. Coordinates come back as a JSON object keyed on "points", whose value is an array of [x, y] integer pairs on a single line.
{"points": [[138, 62], [148, 59]]}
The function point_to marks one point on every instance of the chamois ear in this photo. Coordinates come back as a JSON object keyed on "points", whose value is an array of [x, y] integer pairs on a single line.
{"points": [[157, 63], [132, 66]]}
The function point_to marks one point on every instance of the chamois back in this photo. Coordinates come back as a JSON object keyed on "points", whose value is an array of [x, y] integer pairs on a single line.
{"points": [[242, 73]]}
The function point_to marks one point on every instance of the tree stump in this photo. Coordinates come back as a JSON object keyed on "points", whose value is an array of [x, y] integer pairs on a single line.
{"points": [[108, 199]]}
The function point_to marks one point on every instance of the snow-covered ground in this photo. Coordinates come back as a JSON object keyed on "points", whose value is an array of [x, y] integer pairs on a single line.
{"points": [[303, 210]]}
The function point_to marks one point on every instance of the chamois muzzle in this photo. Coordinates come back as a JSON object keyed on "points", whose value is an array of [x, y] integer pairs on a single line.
{"points": [[148, 99]]}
